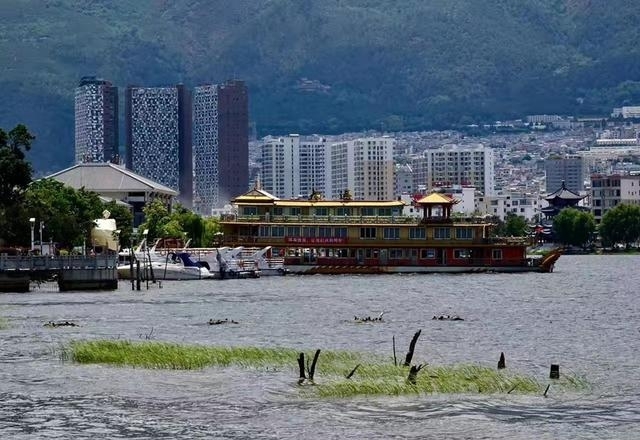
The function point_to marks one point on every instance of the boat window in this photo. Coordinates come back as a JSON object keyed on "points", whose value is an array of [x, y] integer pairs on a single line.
{"points": [[367, 232], [461, 253], [249, 210], [391, 233], [427, 253], [464, 233], [293, 231], [323, 231], [321, 211], [395, 254], [340, 232], [343, 211], [496, 254], [277, 210], [417, 233], [368, 211], [264, 231], [384, 212], [277, 231], [441, 233], [309, 231], [294, 211]]}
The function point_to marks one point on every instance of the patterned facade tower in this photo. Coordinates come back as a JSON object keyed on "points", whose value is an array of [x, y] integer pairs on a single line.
{"points": [[205, 149], [233, 140], [96, 121], [158, 125]]}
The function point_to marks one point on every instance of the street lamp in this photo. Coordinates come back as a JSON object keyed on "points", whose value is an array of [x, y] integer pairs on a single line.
{"points": [[41, 228], [32, 220]]}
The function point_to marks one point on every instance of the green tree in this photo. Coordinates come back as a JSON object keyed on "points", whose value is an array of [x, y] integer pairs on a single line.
{"points": [[156, 216], [15, 177], [584, 229], [67, 214], [574, 227], [515, 226], [211, 232], [621, 224]]}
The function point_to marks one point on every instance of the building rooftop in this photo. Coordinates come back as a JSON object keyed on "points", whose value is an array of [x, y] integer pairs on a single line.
{"points": [[107, 177]]}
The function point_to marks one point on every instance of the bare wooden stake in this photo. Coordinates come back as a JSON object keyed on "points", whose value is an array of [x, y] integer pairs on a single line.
{"points": [[501, 362], [395, 360], [545, 391], [412, 347], [312, 371], [512, 388], [352, 372], [413, 373], [301, 367]]}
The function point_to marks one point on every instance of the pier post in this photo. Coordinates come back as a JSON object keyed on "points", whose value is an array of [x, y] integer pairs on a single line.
{"points": [[501, 362]]}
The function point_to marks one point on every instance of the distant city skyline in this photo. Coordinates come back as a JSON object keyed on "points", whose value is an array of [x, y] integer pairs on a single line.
{"points": [[196, 143]]}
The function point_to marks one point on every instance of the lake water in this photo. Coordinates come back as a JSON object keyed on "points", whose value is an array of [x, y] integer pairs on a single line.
{"points": [[585, 316]]}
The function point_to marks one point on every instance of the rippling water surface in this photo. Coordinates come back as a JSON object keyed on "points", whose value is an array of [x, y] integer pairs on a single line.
{"points": [[584, 316]]}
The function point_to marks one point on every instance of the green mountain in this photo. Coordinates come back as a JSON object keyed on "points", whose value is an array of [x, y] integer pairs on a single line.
{"points": [[324, 65]]}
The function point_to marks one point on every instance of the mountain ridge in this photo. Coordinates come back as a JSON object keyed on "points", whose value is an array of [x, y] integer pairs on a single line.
{"points": [[330, 66]]}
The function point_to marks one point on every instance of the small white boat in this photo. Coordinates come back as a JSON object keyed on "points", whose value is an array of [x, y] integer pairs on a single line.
{"points": [[268, 266], [177, 266]]}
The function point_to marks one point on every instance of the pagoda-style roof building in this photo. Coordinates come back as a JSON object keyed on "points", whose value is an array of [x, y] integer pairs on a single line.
{"points": [[560, 199], [436, 200]]}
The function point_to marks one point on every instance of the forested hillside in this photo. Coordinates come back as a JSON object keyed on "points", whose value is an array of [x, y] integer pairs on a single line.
{"points": [[323, 65]]}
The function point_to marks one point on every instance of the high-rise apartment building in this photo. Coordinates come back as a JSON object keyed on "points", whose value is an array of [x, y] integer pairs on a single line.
{"points": [[205, 149], [363, 166], [233, 140], [96, 120], [294, 166], [158, 136], [220, 144], [469, 165], [569, 169]]}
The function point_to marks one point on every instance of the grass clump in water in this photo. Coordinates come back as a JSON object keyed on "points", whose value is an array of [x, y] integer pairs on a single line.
{"points": [[187, 357], [373, 377], [392, 380]]}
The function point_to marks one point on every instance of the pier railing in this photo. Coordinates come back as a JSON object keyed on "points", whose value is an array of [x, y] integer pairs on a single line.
{"points": [[54, 263]]}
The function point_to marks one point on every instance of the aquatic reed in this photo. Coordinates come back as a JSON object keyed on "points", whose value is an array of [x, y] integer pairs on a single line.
{"points": [[374, 376]]}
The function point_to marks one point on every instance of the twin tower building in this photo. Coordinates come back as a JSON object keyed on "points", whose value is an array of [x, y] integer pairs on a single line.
{"points": [[192, 141]]}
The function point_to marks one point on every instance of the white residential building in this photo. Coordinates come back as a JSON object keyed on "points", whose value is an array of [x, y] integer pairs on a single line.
{"points": [[607, 191], [294, 166], [471, 165], [403, 176], [365, 167], [626, 112], [524, 205]]}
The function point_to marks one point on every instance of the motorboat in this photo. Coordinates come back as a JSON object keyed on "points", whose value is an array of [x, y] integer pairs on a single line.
{"points": [[176, 266]]}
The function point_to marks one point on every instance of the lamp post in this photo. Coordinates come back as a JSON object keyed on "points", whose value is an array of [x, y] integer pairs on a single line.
{"points": [[41, 228], [32, 221]]}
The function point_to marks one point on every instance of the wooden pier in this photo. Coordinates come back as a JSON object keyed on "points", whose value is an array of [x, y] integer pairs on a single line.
{"points": [[98, 272]]}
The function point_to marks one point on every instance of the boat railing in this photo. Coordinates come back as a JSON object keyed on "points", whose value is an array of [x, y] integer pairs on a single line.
{"points": [[337, 219], [347, 219]]}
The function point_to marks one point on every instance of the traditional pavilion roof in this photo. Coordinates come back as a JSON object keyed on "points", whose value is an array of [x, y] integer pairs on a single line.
{"points": [[564, 193], [437, 199], [260, 196], [103, 178], [256, 195]]}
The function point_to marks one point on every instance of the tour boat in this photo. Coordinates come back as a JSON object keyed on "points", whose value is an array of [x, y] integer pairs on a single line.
{"points": [[367, 237]]}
